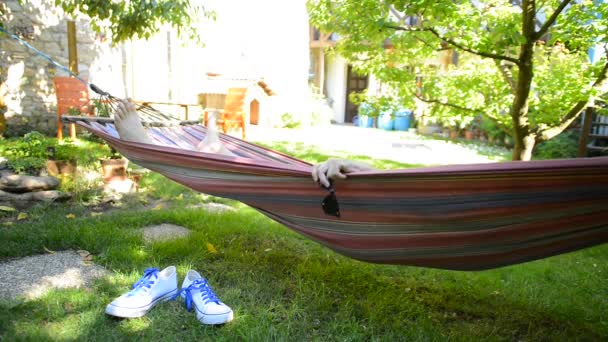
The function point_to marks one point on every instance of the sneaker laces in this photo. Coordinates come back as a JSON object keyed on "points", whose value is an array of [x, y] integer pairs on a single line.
{"points": [[144, 282], [206, 292]]}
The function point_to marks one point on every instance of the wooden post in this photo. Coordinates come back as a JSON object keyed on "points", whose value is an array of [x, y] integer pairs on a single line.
{"points": [[321, 70], [582, 146], [73, 60]]}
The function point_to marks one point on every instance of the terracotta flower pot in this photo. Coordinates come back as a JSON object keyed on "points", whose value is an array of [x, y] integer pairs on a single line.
{"points": [[114, 169], [61, 167]]}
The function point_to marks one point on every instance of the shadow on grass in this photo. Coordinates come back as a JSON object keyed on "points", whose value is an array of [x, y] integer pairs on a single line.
{"points": [[283, 286]]}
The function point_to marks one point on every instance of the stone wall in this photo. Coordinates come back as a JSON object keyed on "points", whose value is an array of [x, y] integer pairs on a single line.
{"points": [[28, 77], [162, 69]]}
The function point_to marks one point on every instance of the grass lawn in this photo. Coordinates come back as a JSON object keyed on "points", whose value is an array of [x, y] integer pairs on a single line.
{"points": [[283, 286]]}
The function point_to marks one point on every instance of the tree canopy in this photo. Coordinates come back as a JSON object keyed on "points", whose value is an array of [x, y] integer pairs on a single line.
{"points": [[139, 18], [521, 63]]}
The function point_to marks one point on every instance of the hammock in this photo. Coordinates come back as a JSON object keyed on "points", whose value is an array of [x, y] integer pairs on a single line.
{"points": [[465, 217]]}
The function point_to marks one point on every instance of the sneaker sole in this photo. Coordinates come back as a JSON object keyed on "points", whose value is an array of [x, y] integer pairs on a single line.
{"points": [[215, 319], [118, 311]]}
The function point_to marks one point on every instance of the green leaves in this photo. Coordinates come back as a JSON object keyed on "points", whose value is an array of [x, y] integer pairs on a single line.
{"points": [[139, 18], [488, 37]]}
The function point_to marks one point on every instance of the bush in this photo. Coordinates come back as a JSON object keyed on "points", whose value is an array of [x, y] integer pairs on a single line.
{"points": [[562, 146], [30, 153], [310, 111]]}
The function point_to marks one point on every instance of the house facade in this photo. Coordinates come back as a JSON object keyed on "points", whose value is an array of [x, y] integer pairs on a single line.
{"points": [[252, 44]]}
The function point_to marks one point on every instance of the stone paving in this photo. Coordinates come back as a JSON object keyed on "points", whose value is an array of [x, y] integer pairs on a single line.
{"points": [[400, 146], [32, 276]]}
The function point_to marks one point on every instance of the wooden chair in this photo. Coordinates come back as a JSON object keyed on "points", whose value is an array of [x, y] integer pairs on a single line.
{"points": [[233, 115], [72, 95]]}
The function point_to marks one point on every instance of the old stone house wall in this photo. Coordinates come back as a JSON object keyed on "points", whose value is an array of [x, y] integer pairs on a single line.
{"points": [[161, 69], [28, 78]]}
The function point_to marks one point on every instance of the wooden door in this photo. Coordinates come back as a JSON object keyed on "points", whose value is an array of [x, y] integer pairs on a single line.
{"points": [[355, 83]]}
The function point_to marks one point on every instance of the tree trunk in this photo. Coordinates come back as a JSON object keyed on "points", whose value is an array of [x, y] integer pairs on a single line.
{"points": [[523, 151], [522, 136]]}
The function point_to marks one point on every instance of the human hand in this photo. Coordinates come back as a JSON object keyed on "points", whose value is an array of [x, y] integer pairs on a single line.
{"points": [[336, 169]]}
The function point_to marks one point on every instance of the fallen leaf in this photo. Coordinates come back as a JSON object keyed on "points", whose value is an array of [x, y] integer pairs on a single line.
{"points": [[5, 208], [94, 213], [48, 250], [158, 207], [22, 216], [180, 197], [8, 223], [211, 248], [70, 216]]}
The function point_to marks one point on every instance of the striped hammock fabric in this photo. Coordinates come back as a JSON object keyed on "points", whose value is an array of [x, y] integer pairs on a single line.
{"points": [[465, 217]]}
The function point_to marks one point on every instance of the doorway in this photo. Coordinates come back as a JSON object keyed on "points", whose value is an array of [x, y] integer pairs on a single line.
{"points": [[355, 83]]}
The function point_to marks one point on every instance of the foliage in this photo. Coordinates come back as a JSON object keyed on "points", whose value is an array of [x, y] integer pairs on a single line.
{"points": [[563, 146], [492, 130], [527, 70], [289, 120], [312, 110], [373, 106], [26, 165], [30, 153], [139, 18], [101, 109]]}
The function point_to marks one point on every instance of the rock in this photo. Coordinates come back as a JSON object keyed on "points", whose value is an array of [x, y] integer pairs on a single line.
{"points": [[163, 232], [26, 199], [3, 163], [20, 184], [33, 276]]}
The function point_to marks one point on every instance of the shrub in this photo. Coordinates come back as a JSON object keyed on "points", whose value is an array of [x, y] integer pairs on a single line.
{"points": [[29, 153], [562, 146]]}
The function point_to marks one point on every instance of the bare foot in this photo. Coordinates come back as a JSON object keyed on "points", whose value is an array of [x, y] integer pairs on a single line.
{"points": [[212, 143], [128, 125]]}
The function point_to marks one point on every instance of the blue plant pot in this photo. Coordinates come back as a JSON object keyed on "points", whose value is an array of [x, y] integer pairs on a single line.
{"points": [[363, 118], [386, 122], [403, 119], [366, 121]]}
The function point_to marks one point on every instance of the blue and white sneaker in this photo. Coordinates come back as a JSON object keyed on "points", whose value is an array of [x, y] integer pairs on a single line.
{"points": [[209, 309], [154, 287]]}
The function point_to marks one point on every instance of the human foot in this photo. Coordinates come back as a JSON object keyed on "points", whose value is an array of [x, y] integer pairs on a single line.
{"points": [[128, 125], [212, 143]]}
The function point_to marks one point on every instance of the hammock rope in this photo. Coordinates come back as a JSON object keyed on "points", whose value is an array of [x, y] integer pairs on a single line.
{"points": [[149, 115]]}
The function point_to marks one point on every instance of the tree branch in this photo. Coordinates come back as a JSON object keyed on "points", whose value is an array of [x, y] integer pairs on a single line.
{"points": [[447, 104], [551, 19], [475, 52], [453, 43], [573, 113], [507, 75]]}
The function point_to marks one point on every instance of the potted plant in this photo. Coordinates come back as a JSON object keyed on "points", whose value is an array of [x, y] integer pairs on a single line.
{"points": [[114, 168], [62, 160]]}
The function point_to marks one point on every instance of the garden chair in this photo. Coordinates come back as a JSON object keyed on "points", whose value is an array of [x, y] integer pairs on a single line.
{"points": [[73, 99], [233, 115]]}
